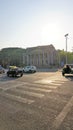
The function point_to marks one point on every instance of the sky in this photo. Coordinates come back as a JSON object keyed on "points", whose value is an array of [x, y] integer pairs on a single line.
{"points": [[30, 23]]}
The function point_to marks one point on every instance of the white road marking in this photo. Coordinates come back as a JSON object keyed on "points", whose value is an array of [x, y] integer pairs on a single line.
{"points": [[52, 87], [37, 89], [27, 84], [58, 81], [59, 119], [17, 98], [65, 80], [39, 95], [47, 82], [39, 85], [56, 84], [10, 87]]}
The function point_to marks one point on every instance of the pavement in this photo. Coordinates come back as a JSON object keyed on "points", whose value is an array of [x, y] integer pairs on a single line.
{"points": [[40, 101]]}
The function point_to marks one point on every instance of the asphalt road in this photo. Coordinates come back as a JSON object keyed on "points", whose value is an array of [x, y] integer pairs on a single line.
{"points": [[39, 101]]}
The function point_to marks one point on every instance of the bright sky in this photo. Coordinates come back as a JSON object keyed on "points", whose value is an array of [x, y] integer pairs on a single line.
{"points": [[29, 23]]}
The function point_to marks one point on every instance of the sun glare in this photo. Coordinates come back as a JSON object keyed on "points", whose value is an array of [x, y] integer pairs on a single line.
{"points": [[51, 32]]}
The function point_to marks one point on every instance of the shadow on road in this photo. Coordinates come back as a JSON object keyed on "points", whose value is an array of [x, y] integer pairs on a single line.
{"points": [[70, 77], [4, 78]]}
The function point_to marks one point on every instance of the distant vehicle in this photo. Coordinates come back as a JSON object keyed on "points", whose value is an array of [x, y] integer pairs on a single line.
{"points": [[67, 69], [2, 70], [29, 69], [14, 71]]}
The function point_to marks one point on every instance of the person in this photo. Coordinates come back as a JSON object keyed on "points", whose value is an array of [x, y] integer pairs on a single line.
{"points": [[68, 68]]}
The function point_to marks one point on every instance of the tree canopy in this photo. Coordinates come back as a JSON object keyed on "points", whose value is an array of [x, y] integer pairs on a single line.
{"points": [[11, 56]]}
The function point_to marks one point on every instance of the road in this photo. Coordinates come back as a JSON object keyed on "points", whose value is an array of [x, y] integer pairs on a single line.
{"points": [[39, 101]]}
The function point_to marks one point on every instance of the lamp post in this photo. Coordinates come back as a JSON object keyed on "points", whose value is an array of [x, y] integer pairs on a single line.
{"points": [[72, 49], [66, 36]]}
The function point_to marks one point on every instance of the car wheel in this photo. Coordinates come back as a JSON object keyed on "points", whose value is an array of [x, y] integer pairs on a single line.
{"points": [[63, 73], [30, 71], [21, 74], [8, 75], [12, 75]]}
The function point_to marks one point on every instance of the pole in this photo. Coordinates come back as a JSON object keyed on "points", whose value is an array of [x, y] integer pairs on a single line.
{"points": [[66, 36], [66, 50], [72, 49]]}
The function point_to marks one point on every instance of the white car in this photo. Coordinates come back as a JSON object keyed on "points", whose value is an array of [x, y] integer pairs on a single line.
{"points": [[29, 69]]}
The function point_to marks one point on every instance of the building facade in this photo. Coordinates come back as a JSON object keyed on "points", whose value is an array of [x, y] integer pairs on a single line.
{"points": [[41, 56]]}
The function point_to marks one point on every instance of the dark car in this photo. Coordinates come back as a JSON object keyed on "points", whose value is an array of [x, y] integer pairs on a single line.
{"points": [[67, 69], [14, 71]]}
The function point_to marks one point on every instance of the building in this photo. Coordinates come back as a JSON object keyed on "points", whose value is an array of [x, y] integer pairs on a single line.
{"points": [[40, 56]]}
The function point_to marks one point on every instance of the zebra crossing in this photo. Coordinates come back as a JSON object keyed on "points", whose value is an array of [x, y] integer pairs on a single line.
{"points": [[23, 91]]}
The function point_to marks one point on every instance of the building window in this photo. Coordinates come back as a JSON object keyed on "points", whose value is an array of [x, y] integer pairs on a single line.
{"points": [[46, 61], [45, 55], [42, 62]]}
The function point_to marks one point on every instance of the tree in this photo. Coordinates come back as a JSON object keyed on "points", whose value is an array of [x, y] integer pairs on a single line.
{"points": [[11, 56]]}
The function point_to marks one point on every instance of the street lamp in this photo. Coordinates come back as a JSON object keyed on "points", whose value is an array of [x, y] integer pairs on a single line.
{"points": [[66, 36], [72, 49]]}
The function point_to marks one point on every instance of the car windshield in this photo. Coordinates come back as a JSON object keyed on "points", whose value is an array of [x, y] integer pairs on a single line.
{"points": [[27, 66], [13, 68]]}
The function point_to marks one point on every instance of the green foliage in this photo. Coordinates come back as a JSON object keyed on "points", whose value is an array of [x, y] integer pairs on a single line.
{"points": [[62, 57], [11, 56]]}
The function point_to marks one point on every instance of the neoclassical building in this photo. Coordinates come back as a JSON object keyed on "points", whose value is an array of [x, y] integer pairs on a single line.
{"points": [[40, 56]]}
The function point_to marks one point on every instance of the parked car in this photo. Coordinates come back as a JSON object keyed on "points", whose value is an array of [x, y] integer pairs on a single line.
{"points": [[2, 70], [14, 71], [67, 69], [29, 69]]}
